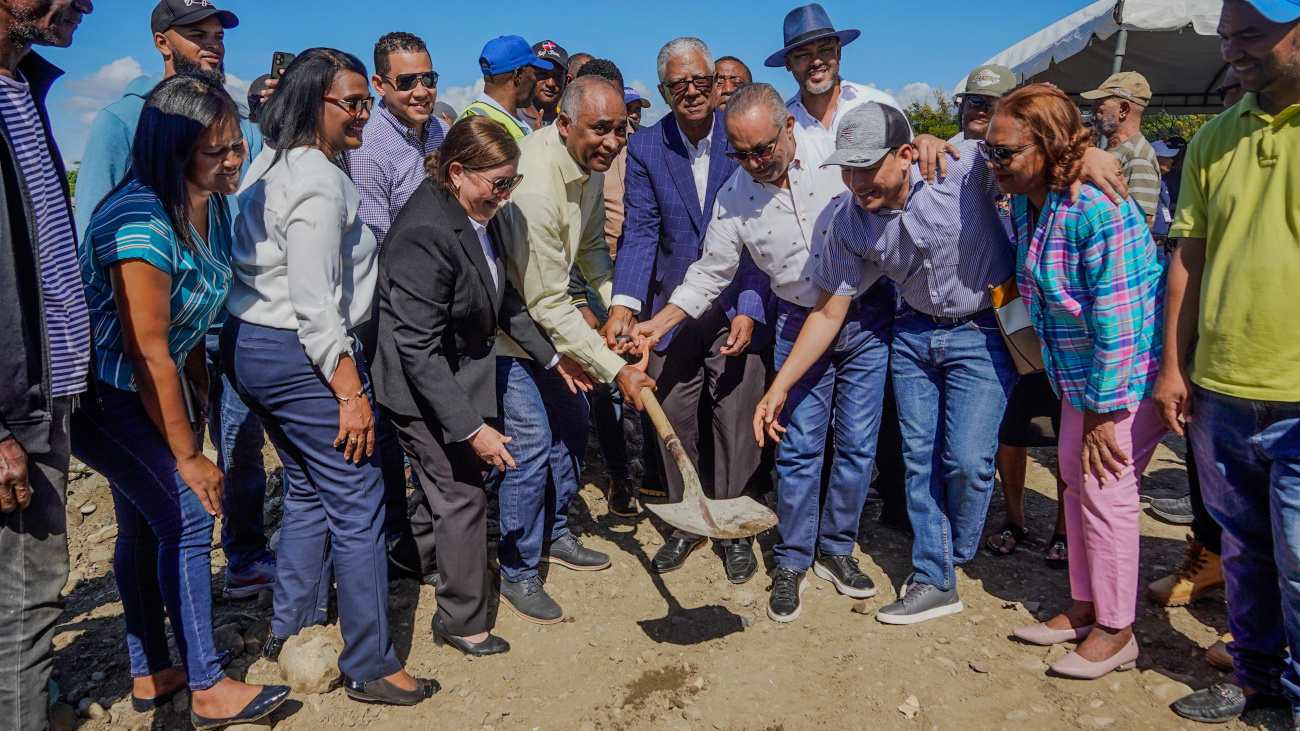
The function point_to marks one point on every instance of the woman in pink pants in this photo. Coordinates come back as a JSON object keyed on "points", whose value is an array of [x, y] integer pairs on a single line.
{"points": [[1093, 281]]}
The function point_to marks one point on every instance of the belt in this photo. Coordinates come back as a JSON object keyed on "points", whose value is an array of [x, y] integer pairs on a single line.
{"points": [[949, 321]]}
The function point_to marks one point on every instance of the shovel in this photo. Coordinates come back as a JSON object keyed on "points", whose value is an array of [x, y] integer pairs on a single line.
{"points": [[740, 517]]}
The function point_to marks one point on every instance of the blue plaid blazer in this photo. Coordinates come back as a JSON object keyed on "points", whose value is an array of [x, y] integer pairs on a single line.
{"points": [[663, 231]]}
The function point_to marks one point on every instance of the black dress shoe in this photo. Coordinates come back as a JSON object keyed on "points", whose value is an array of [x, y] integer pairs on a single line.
{"points": [[674, 553], [271, 650], [739, 561], [266, 701], [382, 691], [493, 645], [434, 579]]}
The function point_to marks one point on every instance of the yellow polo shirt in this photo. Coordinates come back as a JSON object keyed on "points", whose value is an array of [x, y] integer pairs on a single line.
{"points": [[1241, 193]]}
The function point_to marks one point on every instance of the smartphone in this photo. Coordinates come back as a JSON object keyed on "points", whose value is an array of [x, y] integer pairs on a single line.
{"points": [[279, 62]]}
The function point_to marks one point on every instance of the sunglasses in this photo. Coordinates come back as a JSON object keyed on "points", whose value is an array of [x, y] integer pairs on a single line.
{"points": [[977, 103], [758, 153], [1001, 156], [353, 106], [1222, 91], [703, 83], [406, 82], [500, 186]]}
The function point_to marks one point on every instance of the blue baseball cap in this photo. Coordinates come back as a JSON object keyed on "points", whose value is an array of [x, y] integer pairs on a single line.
{"points": [[630, 95], [507, 53], [1278, 11]]}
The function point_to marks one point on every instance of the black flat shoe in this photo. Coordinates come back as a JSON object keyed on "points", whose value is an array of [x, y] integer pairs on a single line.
{"points": [[382, 691], [674, 553], [141, 705], [266, 701], [739, 561], [493, 645]]}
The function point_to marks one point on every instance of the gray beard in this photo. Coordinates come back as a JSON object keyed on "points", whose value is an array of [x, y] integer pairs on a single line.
{"points": [[820, 89], [185, 65]]}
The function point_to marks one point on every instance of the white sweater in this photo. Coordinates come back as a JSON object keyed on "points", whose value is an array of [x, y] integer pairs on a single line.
{"points": [[302, 259]]}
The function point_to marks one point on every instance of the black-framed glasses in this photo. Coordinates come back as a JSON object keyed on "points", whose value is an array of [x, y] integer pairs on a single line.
{"points": [[1224, 90], [703, 83], [353, 106], [762, 152], [500, 186], [406, 82], [1001, 155], [977, 103]]}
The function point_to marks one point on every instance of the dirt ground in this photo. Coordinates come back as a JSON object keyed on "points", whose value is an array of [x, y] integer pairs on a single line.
{"points": [[691, 651]]}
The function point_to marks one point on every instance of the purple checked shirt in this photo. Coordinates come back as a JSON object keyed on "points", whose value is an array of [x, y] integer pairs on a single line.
{"points": [[389, 166]]}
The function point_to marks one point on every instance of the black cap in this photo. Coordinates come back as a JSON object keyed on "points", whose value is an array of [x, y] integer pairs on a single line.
{"points": [[171, 13], [553, 52]]}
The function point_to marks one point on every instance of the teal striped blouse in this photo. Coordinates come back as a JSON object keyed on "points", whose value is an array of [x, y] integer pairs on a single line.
{"points": [[133, 225]]}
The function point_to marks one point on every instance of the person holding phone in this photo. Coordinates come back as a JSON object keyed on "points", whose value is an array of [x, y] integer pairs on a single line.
{"points": [[156, 271], [304, 276]]}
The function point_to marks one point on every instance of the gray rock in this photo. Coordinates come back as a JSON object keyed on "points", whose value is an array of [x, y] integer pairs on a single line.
{"points": [[103, 534], [95, 712], [227, 638], [310, 659], [257, 634], [88, 507]]}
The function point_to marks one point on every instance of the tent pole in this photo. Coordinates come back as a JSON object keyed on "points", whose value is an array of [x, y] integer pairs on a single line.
{"points": [[1121, 39]]}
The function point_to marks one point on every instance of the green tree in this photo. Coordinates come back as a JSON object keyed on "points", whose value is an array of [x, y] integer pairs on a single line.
{"points": [[937, 117], [1161, 125], [72, 181]]}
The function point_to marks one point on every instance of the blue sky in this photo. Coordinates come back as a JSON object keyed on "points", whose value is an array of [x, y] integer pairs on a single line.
{"points": [[906, 47]]}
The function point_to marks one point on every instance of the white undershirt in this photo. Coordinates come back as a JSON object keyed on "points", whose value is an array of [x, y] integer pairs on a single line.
{"points": [[481, 231]]}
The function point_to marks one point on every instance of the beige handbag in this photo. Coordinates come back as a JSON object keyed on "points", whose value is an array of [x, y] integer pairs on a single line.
{"points": [[1017, 330]]}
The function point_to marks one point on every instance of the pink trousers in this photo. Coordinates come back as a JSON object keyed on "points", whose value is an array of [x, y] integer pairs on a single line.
{"points": [[1102, 520]]}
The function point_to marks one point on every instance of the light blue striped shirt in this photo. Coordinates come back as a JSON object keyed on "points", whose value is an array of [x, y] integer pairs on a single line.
{"points": [[133, 225], [943, 249]]}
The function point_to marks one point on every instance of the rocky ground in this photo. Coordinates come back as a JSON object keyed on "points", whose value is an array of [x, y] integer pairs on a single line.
{"points": [[691, 651]]}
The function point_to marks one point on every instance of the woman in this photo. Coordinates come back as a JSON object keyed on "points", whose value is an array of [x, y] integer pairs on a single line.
{"points": [[1093, 280], [156, 271], [442, 295], [305, 272]]}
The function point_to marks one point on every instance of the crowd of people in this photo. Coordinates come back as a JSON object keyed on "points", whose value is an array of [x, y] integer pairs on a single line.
{"points": [[394, 293]]}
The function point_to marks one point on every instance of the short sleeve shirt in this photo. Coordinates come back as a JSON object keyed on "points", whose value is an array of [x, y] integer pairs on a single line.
{"points": [[1138, 165], [132, 225]]}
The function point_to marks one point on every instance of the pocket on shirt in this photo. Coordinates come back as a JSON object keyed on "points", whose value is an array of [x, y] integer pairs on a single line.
{"points": [[259, 344]]}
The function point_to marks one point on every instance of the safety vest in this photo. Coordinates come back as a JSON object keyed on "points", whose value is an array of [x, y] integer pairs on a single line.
{"points": [[491, 112]]}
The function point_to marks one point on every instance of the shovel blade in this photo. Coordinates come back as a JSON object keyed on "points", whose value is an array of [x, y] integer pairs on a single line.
{"points": [[740, 517]]}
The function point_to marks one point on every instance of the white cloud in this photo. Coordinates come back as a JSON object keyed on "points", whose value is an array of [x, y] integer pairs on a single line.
{"points": [[917, 91], [657, 110], [460, 97], [238, 90], [92, 92]]}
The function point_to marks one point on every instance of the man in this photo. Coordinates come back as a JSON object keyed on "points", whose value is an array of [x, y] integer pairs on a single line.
{"points": [[776, 207], [812, 55], [45, 348], [1117, 108], [402, 131], [674, 172], [509, 68], [576, 62], [1232, 286], [555, 219], [191, 39], [635, 103], [545, 104], [985, 85], [731, 73]]}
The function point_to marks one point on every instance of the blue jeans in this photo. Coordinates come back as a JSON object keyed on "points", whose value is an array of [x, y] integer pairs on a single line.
{"points": [[333, 510], [1248, 456], [952, 385], [548, 454], [162, 562], [845, 386], [238, 437]]}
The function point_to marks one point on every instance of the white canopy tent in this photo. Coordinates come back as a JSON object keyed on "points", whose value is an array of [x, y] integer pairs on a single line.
{"points": [[1173, 43]]}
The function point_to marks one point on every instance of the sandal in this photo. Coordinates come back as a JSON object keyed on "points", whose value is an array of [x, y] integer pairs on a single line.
{"points": [[1058, 551], [1011, 533]]}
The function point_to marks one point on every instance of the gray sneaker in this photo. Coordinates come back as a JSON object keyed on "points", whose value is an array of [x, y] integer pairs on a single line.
{"points": [[529, 600], [568, 551], [919, 603], [1177, 511]]}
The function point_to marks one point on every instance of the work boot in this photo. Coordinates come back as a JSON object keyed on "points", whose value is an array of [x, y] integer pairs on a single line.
{"points": [[620, 499], [1200, 574], [1218, 654]]}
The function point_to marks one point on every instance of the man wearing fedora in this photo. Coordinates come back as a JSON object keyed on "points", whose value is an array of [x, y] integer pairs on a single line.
{"points": [[812, 54], [1117, 108]]}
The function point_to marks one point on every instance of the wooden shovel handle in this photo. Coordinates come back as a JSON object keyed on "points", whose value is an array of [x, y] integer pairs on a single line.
{"points": [[690, 478]]}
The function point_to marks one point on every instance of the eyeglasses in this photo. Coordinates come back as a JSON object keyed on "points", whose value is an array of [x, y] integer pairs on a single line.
{"points": [[703, 83], [406, 82], [977, 103], [500, 186], [1223, 91], [763, 152], [1001, 156], [353, 106]]}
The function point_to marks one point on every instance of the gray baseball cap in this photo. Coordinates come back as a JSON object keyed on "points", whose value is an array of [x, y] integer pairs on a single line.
{"points": [[866, 135]]}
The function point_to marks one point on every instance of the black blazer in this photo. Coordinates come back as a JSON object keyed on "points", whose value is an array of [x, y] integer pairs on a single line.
{"points": [[438, 312]]}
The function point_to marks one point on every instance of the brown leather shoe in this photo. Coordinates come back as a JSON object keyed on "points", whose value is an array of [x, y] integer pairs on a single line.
{"points": [[1200, 574], [1218, 654]]}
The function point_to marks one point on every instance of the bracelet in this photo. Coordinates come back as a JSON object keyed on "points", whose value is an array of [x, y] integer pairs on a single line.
{"points": [[348, 399]]}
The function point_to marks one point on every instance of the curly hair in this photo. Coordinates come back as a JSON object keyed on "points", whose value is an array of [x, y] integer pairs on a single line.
{"points": [[1056, 127], [477, 143]]}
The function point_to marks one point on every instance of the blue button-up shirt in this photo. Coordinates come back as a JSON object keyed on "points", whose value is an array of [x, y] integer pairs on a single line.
{"points": [[389, 166], [944, 248]]}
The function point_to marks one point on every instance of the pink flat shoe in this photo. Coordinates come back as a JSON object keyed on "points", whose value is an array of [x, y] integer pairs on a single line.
{"points": [[1041, 634], [1073, 666]]}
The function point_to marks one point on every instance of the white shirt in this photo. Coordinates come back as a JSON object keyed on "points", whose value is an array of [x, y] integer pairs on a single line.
{"points": [[481, 231], [302, 259], [784, 230], [821, 141]]}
